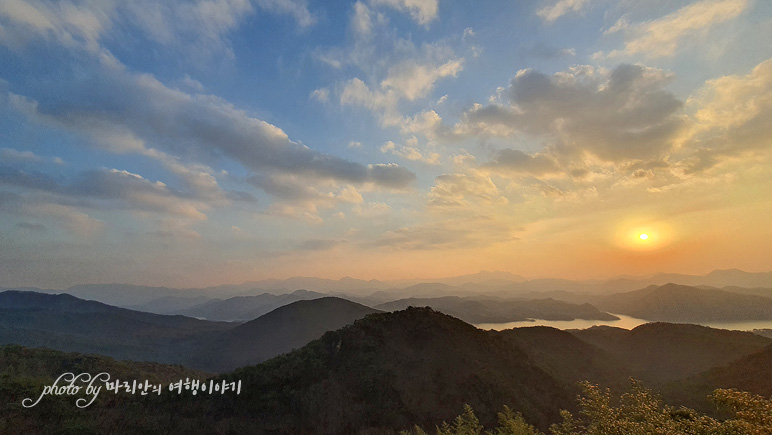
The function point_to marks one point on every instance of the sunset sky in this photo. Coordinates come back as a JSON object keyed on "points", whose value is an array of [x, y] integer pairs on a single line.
{"points": [[194, 143]]}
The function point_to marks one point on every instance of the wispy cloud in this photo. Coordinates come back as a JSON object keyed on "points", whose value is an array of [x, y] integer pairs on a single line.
{"points": [[407, 80], [662, 37], [145, 110], [198, 27], [561, 8], [422, 11]]}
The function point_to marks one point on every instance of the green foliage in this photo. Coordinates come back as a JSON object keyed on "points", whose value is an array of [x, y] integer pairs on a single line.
{"points": [[637, 412], [752, 412], [468, 424], [513, 424], [465, 424], [641, 412]]}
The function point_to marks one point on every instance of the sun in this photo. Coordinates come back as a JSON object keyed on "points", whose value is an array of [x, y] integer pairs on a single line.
{"points": [[637, 235]]}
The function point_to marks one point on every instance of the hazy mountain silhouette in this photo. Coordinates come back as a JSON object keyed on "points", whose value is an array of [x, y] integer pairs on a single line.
{"points": [[499, 284], [311, 283], [286, 328], [123, 295], [245, 307], [488, 310], [758, 291], [481, 278], [170, 304], [68, 323], [680, 303]]}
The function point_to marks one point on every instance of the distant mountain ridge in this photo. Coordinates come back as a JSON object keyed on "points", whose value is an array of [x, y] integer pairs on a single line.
{"points": [[503, 284], [242, 308]]}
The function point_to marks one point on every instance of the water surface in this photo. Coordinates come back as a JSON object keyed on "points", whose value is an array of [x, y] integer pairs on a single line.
{"points": [[626, 322]]}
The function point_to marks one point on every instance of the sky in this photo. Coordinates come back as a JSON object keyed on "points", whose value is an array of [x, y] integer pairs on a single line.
{"points": [[191, 143]]}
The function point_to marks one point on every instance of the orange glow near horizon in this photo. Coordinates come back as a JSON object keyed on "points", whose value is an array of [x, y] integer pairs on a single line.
{"points": [[649, 236]]}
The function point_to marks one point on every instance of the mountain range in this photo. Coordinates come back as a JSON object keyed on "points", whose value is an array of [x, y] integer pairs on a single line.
{"points": [[371, 372], [68, 323], [373, 292]]}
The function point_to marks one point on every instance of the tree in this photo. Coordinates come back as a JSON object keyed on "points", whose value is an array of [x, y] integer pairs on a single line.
{"points": [[639, 412], [468, 424]]}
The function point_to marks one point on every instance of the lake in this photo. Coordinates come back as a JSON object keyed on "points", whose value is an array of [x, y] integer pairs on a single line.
{"points": [[625, 322]]}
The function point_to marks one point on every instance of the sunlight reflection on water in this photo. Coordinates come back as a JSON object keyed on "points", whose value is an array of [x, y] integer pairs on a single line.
{"points": [[625, 322]]}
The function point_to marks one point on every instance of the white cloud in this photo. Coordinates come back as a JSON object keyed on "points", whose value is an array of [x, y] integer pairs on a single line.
{"points": [[10, 154], [663, 36], [361, 20], [295, 211], [388, 146], [511, 160], [372, 210], [733, 115], [411, 151], [621, 24], [296, 189], [321, 95], [462, 190], [136, 192], [77, 222], [412, 79], [71, 23], [562, 7], [298, 9], [192, 83], [422, 11], [427, 123], [540, 50], [457, 233], [408, 80], [357, 93], [329, 59], [199, 27]]}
